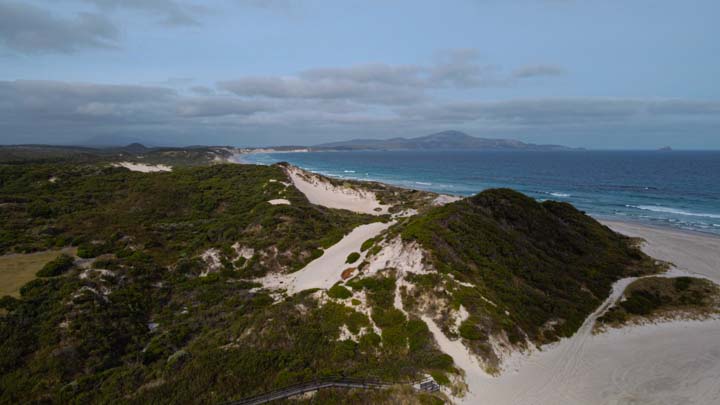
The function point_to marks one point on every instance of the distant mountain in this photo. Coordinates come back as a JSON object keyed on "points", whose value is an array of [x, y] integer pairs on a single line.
{"points": [[110, 141], [446, 140]]}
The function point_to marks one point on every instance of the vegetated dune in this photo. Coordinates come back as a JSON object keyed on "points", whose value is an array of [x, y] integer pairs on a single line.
{"points": [[658, 363]]}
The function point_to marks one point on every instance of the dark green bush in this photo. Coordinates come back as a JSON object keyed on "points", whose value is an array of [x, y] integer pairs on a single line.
{"points": [[367, 244], [8, 303], [56, 267], [89, 250], [340, 292], [352, 257], [469, 330]]}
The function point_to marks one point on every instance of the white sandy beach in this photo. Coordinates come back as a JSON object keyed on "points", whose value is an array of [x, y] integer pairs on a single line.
{"points": [[692, 252], [666, 363]]}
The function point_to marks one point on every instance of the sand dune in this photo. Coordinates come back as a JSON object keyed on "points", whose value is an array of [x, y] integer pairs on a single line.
{"points": [[325, 271], [321, 192], [665, 363], [142, 167]]}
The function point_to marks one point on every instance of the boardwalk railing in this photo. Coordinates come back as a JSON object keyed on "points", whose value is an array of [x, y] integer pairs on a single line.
{"points": [[427, 385]]}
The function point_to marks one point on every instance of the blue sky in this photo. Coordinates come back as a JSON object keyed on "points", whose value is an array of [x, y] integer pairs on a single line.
{"points": [[598, 74]]}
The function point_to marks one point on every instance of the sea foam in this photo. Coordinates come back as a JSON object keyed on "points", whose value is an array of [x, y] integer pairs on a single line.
{"points": [[658, 208]]}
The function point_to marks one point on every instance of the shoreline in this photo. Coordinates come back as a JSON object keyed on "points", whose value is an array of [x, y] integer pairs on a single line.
{"points": [[692, 252]]}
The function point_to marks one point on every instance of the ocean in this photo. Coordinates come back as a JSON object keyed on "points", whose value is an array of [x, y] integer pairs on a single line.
{"points": [[679, 189]]}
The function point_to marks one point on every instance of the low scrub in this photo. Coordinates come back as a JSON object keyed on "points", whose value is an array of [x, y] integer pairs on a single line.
{"points": [[57, 266], [352, 258]]}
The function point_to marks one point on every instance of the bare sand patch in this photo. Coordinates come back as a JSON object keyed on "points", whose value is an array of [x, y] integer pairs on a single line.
{"points": [[321, 192], [142, 167], [279, 201], [326, 270]]}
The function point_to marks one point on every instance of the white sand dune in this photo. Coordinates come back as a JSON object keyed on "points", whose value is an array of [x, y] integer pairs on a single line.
{"points": [[321, 192], [142, 167], [326, 270], [665, 363], [279, 201]]}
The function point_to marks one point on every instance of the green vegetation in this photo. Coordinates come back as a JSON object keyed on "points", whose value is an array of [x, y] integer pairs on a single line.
{"points": [[339, 292], [143, 326], [57, 266], [653, 297], [539, 269], [151, 321], [168, 216], [367, 244], [352, 257]]}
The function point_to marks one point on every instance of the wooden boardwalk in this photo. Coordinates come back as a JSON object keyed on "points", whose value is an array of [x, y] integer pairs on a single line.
{"points": [[427, 385]]}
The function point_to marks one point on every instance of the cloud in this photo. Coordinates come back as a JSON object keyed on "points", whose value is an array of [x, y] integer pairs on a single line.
{"points": [[220, 107], [557, 112], [361, 84], [29, 29], [49, 103], [525, 72], [47, 111], [377, 83], [171, 12], [460, 68]]}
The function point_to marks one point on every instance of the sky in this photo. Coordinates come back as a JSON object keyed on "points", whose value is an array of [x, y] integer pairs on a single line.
{"points": [[611, 74]]}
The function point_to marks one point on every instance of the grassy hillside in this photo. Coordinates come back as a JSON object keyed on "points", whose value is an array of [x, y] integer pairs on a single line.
{"points": [[133, 320], [538, 269]]}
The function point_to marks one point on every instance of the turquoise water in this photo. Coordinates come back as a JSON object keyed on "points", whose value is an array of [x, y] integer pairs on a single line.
{"points": [[675, 189]]}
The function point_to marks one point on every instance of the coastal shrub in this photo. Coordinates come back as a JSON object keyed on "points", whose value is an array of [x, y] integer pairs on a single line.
{"points": [[339, 292], [8, 303], [367, 244], [352, 257], [682, 283], [89, 250], [418, 334], [469, 330], [538, 261], [440, 377], [57, 266], [641, 302], [369, 341], [389, 317]]}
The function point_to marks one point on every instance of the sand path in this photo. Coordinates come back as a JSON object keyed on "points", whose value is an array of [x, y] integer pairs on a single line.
{"points": [[326, 270]]}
